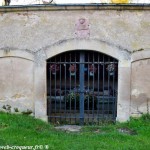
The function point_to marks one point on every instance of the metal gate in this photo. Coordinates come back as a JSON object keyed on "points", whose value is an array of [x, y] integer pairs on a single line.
{"points": [[81, 87]]}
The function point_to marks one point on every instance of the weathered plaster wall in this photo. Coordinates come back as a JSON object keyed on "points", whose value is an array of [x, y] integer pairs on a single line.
{"points": [[16, 83], [128, 30], [36, 36], [140, 95]]}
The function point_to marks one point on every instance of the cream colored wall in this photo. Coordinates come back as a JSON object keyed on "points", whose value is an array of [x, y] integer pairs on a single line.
{"points": [[29, 38], [140, 82], [34, 30], [140, 94], [16, 83]]}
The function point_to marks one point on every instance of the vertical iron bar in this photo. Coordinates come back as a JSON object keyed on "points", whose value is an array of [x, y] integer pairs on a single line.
{"points": [[88, 89], [55, 89], [93, 91], [114, 93], [65, 86], [98, 90], [103, 85], [75, 88], [50, 98], [60, 89], [109, 96], [82, 88], [70, 88]]}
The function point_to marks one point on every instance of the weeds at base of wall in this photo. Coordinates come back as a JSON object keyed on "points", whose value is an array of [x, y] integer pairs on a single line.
{"points": [[8, 109], [146, 117], [28, 112]]}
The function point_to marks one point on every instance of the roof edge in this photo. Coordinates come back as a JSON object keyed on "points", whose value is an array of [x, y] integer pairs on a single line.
{"points": [[64, 7]]}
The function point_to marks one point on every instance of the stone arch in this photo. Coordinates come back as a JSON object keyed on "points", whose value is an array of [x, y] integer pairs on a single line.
{"points": [[16, 71], [24, 54], [140, 55], [94, 45], [115, 51], [140, 82]]}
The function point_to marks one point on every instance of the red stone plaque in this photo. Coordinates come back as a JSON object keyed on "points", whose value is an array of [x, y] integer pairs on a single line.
{"points": [[82, 28]]}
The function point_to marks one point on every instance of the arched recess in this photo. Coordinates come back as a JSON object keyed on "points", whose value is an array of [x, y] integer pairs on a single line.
{"points": [[17, 53], [124, 70], [140, 55], [140, 96], [16, 75]]}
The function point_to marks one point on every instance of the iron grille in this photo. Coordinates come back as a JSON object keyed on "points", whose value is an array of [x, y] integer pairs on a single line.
{"points": [[81, 87]]}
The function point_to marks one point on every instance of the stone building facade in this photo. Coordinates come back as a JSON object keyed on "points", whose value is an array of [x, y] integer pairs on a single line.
{"points": [[31, 35]]}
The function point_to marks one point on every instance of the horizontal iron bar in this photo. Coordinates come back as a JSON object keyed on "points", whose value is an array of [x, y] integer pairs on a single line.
{"points": [[108, 97], [79, 117], [82, 63]]}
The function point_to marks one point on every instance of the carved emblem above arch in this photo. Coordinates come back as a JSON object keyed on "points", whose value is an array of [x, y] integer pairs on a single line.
{"points": [[82, 29]]}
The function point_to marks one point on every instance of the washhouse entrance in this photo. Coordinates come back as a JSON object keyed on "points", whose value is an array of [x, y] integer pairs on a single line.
{"points": [[81, 87]]}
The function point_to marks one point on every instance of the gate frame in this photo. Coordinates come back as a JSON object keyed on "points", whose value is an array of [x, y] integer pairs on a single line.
{"points": [[115, 51]]}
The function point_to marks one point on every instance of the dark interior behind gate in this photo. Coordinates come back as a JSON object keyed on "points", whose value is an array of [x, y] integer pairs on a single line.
{"points": [[81, 87]]}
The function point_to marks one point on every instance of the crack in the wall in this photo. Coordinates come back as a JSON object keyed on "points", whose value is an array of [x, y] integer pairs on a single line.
{"points": [[138, 50]]}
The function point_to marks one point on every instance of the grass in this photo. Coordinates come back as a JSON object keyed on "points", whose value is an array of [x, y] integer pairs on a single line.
{"points": [[23, 130]]}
